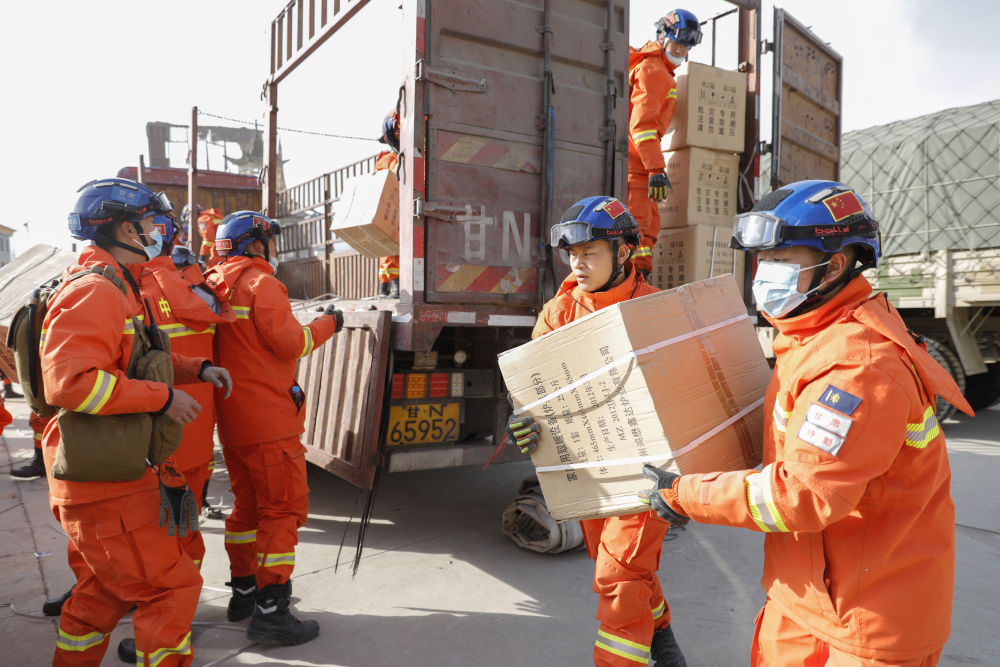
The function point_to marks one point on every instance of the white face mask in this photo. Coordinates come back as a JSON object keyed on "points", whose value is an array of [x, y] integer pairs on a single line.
{"points": [[153, 251], [274, 263], [775, 287], [676, 61]]}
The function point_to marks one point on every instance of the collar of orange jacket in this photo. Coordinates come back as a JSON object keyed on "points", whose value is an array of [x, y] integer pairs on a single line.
{"points": [[186, 307], [94, 255], [597, 300], [809, 324], [653, 50], [223, 277]]}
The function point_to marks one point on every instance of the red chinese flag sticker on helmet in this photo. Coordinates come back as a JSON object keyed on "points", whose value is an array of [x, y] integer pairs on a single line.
{"points": [[613, 208], [843, 205]]}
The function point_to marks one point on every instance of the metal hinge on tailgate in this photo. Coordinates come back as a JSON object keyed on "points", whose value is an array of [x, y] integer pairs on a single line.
{"points": [[448, 211], [449, 78]]}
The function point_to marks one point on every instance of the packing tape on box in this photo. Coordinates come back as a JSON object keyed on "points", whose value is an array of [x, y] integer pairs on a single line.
{"points": [[629, 357], [649, 459]]}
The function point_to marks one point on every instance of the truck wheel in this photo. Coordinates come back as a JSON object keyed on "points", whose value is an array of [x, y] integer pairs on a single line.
{"points": [[942, 354], [983, 390]]}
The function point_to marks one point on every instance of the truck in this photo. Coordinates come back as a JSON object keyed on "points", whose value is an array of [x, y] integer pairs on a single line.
{"points": [[509, 113]]}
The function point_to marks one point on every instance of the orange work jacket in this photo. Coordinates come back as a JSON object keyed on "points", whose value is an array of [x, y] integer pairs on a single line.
{"points": [[854, 494], [386, 160], [208, 225], [86, 343], [189, 321], [260, 350], [651, 102], [572, 302]]}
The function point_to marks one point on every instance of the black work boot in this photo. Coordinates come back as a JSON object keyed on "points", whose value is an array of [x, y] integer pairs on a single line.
{"points": [[394, 288], [53, 607], [8, 392], [126, 651], [35, 468], [664, 649], [244, 595], [272, 623]]}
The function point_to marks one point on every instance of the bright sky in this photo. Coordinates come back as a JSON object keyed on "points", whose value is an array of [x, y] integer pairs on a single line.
{"points": [[83, 78]]}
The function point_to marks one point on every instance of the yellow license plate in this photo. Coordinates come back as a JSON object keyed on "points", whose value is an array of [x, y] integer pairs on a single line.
{"points": [[423, 424]]}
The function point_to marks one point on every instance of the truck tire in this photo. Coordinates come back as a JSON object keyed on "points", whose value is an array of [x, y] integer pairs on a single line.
{"points": [[983, 390], [942, 354]]}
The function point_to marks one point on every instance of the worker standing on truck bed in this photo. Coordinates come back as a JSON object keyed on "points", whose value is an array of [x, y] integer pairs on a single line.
{"points": [[652, 99], [600, 235], [854, 498], [260, 425], [208, 224], [388, 268]]}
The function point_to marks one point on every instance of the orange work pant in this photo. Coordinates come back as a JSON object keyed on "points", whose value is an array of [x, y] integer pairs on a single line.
{"points": [[388, 269], [647, 214], [193, 544], [630, 607], [121, 557], [272, 503], [778, 641], [38, 425]]}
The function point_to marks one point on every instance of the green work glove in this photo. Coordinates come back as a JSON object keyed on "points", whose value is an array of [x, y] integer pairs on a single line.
{"points": [[659, 186], [523, 432], [663, 480], [178, 510]]}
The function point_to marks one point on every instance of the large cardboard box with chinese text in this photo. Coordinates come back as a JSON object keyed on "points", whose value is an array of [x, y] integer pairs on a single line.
{"points": [[704, 188], [693, 253], [367, 214], [711, 109], [675, 379]]}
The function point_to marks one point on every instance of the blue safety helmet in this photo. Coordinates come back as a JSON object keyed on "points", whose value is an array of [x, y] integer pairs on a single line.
{"points": [[114, 200], [390, 131], [681, 26], [599, 218], [825, 215], [238, 230]]}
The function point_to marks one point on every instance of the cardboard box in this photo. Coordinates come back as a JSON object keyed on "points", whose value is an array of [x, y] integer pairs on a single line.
{"points": [[711, 109], [367, 214], [693, 253], [675, 379], [704, 188]]}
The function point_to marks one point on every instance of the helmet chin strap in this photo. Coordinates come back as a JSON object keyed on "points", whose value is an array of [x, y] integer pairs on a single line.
{"points": [[618, 267], [813, 299], [132, 248]]}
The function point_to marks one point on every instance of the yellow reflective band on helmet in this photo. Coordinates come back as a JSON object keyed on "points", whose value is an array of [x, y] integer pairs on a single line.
{"points": [[242, 312], [781, 418], [658, 610], [307, 346], [920, 435], [156, 657], [245, 537], [639, 137], [99, 393], [176, 330], [642, 251], [760, 500], [623, 648], [68, 642], [273, 560]]}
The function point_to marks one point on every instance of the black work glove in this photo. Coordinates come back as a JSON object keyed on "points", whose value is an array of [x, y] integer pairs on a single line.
{"points": [[659, 186], [337, 314], [663, 480], [178, 509], [523, 432]]}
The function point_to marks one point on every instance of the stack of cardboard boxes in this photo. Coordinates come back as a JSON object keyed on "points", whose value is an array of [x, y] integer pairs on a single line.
{"points": [[700, 149]]}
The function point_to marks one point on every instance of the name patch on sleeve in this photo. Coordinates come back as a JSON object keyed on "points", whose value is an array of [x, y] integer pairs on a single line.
{"points": [[839, 400], [821, 438]]}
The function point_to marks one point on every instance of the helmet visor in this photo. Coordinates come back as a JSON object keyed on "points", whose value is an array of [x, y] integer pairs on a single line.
{"points": [[161, 203], [687, 36], [570, 233], [756, 231]]}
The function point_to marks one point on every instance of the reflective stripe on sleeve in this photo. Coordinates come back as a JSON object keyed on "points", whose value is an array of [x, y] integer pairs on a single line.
{"points": [[672, 94], [244, 537], [623, 648], [307, 346], [760, 500], [99, 393], [647, 135], [242, 312], [154, 658], [642, 251], [920, 435], [659, 609], [781, 418], [68, 642]]}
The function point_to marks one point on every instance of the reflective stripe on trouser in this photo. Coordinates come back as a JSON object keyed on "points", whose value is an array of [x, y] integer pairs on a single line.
{"points": [[646, 214], [630, 605], [271, 504], [193, 544], [779, 641], [121, 557]]}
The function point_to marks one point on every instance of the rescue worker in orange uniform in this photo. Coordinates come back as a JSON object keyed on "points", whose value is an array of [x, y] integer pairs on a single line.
{"points": [[36, 467], [118, 549], [854, 495], [208, 224], [388, 268], [600, 235], [188, 312], [652, 99], [260, 425]]}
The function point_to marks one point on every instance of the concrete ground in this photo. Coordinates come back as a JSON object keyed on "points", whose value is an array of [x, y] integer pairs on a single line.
{"points": [[439, 584]]}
